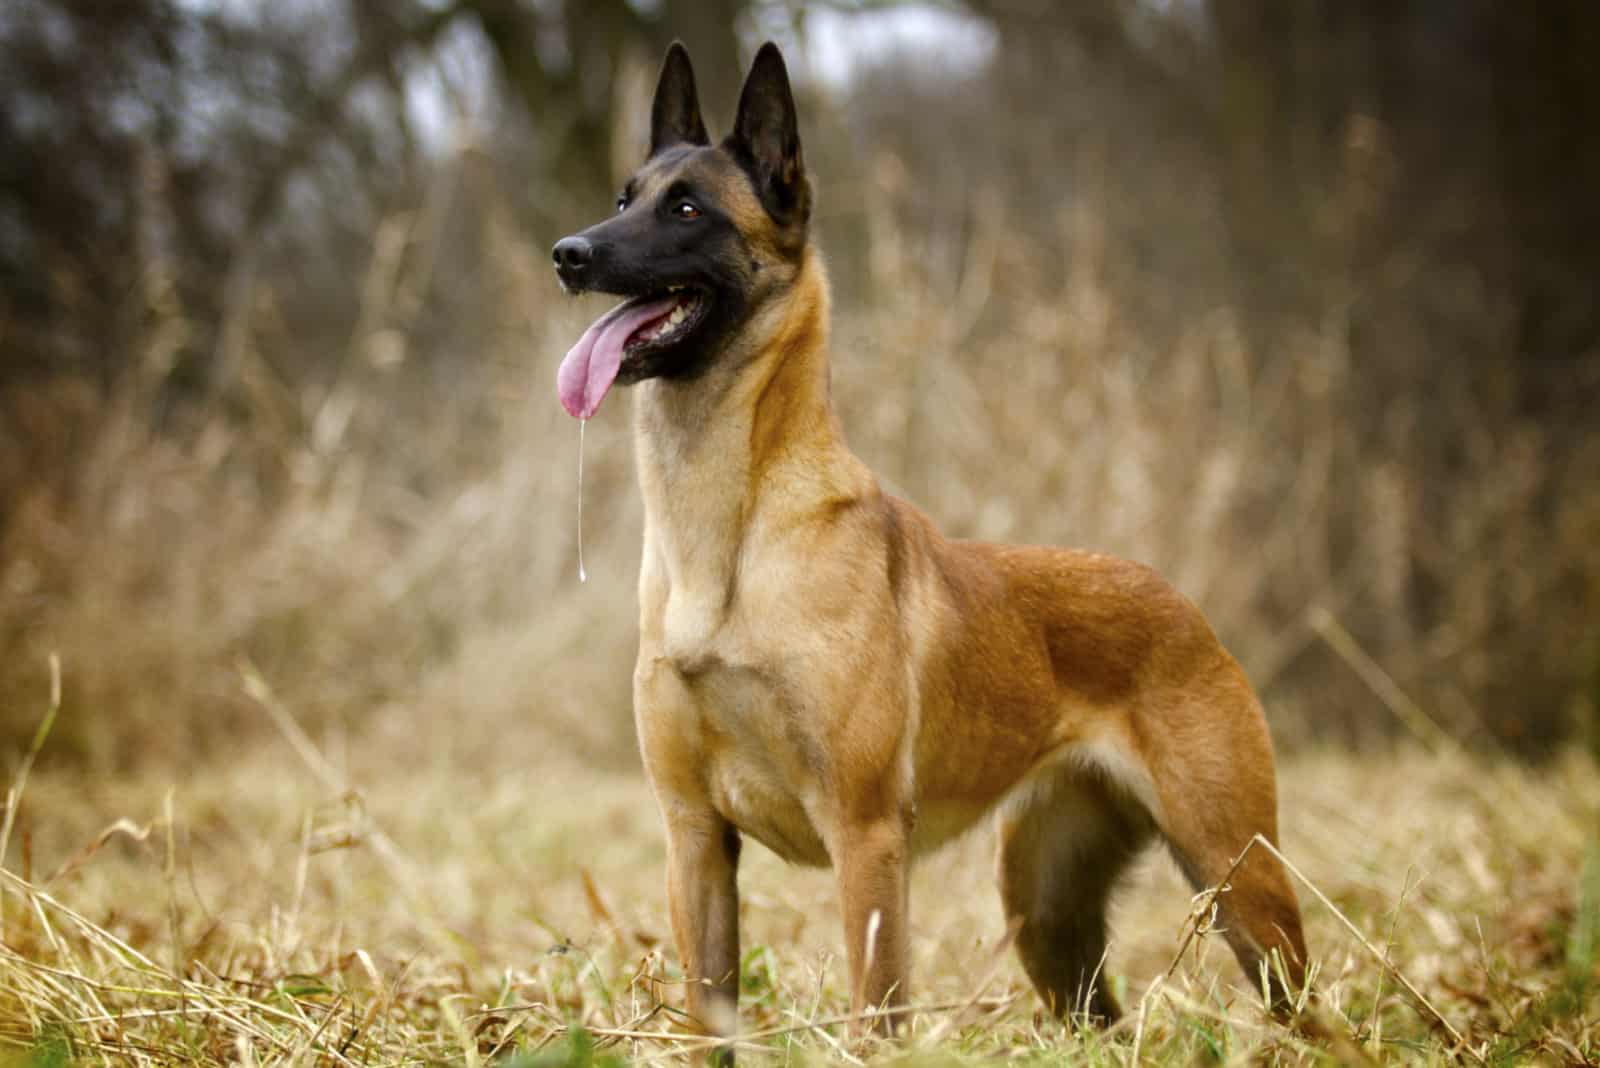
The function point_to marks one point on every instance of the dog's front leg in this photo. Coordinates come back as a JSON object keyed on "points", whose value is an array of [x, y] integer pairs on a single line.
{"points": [[871, 862], [702, 846], [703, 894]]}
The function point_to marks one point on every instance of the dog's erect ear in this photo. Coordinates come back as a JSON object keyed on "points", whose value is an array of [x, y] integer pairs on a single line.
{"points": [[675, 115], [766, 138]]}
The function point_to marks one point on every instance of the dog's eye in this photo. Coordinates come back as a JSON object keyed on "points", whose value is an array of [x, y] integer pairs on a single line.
{"points": [[685, 209], [622, 203]]}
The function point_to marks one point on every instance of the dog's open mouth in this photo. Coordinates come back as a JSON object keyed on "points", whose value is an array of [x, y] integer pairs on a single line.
{"points": [[638, 327], [687, 306]]}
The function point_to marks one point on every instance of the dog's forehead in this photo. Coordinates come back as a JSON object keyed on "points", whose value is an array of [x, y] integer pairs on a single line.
{"points": [[709, 169]]}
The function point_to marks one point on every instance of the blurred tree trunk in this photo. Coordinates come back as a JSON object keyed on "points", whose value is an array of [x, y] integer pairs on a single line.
{"points": [[708, 28], [569, 92], [1298, 81], [1545, 155], [1488, 106], [566, 90]]}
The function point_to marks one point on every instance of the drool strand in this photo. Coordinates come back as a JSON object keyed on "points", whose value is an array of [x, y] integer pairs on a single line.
{"points": [[582, 575]]}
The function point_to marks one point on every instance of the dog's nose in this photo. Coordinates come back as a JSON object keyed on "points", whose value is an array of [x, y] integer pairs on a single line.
{"points": [[572, 255]]}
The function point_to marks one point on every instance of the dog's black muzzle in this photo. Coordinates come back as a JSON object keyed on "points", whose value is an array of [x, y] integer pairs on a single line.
{"points": [[574, 257]]}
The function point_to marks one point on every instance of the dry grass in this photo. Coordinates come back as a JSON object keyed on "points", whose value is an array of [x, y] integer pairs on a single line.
{"points": [[304, 902]]}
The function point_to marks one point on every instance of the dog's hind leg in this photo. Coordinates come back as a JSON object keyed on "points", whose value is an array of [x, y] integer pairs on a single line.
{"points": [[1210, 757], [1063, 842]]}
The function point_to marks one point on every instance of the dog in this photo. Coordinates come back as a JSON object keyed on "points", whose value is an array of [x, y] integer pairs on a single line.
{"points": [[821, 671]]}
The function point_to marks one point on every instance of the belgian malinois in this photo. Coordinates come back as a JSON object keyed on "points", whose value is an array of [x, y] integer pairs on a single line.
{"points": [[820, 670]]}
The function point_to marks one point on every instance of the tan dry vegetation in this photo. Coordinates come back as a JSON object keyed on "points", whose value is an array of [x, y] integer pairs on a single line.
{"points": [[399, 530], [297, 903], [459, 857]]}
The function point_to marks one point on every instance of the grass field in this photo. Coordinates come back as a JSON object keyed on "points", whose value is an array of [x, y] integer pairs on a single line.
{"points": [[342, 771], [423, 895]]}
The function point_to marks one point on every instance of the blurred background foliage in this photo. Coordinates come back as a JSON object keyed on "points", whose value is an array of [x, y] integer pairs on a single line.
{"points": [[1294, 300]]}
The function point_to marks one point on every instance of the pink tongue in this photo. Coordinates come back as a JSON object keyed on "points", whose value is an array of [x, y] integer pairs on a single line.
{"points": [[591, 365]]}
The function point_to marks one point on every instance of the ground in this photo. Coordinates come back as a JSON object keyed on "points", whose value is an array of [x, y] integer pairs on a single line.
{"points": [[384, 900]]}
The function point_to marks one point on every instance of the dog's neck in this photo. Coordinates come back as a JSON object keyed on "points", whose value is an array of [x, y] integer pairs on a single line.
{"points": [[751, 443]]}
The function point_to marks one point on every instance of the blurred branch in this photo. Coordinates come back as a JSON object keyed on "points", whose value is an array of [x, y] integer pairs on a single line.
{"points": [[325, 114]]}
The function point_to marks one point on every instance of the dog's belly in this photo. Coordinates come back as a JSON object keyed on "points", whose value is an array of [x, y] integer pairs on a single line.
{"points": [[760, 764], [750, 798], [940, 821]]}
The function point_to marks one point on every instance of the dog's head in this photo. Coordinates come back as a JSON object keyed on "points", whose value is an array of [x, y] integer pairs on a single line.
{"points": [[703, 235]]}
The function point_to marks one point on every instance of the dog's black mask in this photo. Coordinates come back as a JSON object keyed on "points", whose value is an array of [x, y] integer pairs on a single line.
{"points": [[695, 228]]}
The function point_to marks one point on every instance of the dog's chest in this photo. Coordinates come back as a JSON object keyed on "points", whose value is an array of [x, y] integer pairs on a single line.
{"points": [[731, 638], [761, 766]]}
